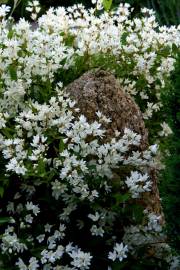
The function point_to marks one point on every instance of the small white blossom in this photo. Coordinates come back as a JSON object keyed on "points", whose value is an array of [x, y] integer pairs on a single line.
{"points": [[94, 217], [4, 10], [47, 228], [138, 183], [34, 208], [40, 238], [29, 218], [10, 242], [81, 260], [97, 231], [166, 130], [21, 264], [119, 252]]}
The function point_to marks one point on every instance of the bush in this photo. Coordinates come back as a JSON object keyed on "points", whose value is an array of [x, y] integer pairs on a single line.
{"points": [[62, 207]]}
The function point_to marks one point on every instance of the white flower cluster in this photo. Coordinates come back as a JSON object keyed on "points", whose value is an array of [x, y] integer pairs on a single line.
{"points": [[33, 264], [138, 183], [30, 55], [149, 234], [34, 8], [81, 260], [60, 160], [4, 10], [73, 161], [11, 243], [166, 130], [98, 3], [34, 123], [101, 220], [119, 252]]}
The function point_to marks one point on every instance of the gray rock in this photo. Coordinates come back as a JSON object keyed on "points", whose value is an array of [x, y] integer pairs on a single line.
{"points": [[99, 91]]}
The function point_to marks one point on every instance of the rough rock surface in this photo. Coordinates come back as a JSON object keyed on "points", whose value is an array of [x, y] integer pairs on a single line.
{"points": [[99, 91]]}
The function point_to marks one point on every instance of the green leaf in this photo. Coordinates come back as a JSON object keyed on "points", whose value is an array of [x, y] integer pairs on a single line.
{"points": [[107, 4], [175, 49], [165, 51], [69, 40], [138, 213], [41, 168], [119, 265], [51, 174], [13, 73], [4, 220], [120, 198], [3, 2], [123, 38], [61, 146], [37, 251], [10, 34], [7, 132], [1, 192], [178, 116]]}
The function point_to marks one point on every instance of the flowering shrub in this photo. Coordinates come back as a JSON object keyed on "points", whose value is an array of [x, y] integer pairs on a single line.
{"points": [[63, 207]]}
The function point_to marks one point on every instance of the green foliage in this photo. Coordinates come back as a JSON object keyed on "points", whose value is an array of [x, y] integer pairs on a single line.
{"points": [[147, 264], [170, 184], [167, 12], [4, 220], [107, 4], [3, 2], [12, 71]]}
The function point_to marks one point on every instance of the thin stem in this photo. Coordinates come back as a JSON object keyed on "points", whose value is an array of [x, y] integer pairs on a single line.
{"points": [[16, 3]]}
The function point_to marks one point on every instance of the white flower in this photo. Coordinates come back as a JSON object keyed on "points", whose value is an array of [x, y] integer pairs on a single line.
{"points": [[97, 231], [34, 8], [153, 148], [81, 260], [4, 10], [47, 228], [17, 167], [40, 238], [29, 218], [10, 207], [119, 252], [94, 217], [166, 130], [138, 183], [154, 222], [99, 4], [51, 256], [10, 242], [2, 121], [112, 256], [33, 16], [33, 264], [34, 208], [21, 264], [175, 263], [58, 188], [29, 8]]}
